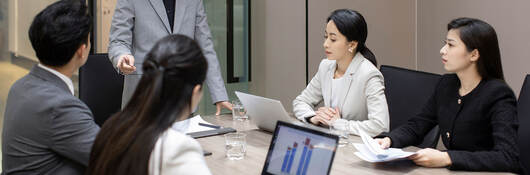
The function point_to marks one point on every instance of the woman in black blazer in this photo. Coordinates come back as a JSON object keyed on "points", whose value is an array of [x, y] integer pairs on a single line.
{"points": [[474, 107]]}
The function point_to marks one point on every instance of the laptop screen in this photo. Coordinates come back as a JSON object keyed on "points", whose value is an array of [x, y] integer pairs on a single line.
{"points": [[299, 150]]}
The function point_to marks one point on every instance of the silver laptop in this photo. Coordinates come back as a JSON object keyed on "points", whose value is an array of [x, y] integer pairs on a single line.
{"points": [[265, 112]]}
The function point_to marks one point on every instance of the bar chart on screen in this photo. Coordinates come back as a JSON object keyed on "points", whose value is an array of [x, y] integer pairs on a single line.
{"points": [[301, 153]]}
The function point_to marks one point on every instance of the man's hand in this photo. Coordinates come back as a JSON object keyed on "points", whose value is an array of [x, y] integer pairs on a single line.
{"points": [[222, 104], [126, 64]]}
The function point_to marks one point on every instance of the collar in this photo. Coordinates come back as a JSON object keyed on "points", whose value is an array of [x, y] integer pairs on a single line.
{"points": [[352, 68], [66, 80]]}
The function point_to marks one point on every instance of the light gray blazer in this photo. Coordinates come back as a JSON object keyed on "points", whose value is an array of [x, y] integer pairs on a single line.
{"points": [[362, 107], [138, 24], [46, 129]]}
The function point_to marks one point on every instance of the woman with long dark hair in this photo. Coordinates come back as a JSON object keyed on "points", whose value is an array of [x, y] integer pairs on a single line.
{"points": [[474, 107], [139, 139], [348, 81]]}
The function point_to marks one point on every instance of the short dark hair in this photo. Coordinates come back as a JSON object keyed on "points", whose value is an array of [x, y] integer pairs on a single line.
{"points": [[59, 30], [477, 34]]}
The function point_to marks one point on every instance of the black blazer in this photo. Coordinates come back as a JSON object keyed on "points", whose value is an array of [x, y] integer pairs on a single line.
{"points": [[479, 129]]}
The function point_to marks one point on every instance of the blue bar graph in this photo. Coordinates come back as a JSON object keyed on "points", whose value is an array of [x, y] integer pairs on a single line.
{"points": [[306, 164], [286, 159], [291, 158], [303, 159]]}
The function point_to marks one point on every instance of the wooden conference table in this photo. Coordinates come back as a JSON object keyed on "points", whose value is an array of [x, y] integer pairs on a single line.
{"points": [[258, 141]]}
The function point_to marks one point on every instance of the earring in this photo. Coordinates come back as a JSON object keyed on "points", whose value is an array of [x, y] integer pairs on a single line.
{"points": [[350, 50]]}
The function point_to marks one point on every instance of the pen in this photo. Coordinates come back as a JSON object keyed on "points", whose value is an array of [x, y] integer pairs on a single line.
{"points": [[210, 126]]}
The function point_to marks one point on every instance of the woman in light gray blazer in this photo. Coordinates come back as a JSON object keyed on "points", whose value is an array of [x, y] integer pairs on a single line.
{"points": [[348, 81]]}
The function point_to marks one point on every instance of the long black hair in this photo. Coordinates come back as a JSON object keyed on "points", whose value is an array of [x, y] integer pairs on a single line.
{"points": [[351, 24], [477, 34], [172, 69]]}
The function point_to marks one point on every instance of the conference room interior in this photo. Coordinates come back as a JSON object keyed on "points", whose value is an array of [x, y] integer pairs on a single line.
{"points": [[276, 45]]}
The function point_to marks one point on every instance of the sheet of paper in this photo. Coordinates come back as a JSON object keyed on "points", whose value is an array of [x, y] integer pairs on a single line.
{"points": [[371, 144], [194, 124], [393, 154], [370, 151]]}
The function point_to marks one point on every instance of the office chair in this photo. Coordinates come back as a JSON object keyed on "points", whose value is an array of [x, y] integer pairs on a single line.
{"points": [[523, 113], [406, 92], [100, 87]]}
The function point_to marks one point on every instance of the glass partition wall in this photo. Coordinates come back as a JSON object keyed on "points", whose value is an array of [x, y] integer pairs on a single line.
{"points": [[229, 22]]}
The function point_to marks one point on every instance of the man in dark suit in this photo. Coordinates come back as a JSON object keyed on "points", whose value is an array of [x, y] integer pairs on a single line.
{"points": [[47, 130]]}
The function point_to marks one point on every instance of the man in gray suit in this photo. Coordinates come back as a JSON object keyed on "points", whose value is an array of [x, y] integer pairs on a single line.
{"points": [[47, 130], [138, 24]]}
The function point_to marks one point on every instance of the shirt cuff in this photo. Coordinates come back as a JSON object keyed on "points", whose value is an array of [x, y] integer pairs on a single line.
{"points": [[306, 116], [457, 161], [114, 59]]}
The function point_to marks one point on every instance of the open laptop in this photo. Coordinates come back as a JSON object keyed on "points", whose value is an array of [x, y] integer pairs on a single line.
{"points": [[264, 112], [300, 150]]}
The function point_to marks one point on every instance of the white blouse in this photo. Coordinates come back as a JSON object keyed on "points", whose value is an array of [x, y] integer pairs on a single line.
{"points": [[337, 89]]}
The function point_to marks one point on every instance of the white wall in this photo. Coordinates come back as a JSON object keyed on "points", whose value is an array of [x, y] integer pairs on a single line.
{"points": [[278, 49], [278, 40], [404, 33], [509, 18], [391, 29]]}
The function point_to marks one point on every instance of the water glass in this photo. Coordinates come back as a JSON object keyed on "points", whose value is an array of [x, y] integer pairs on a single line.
{"points": [[342, 129], [236, 146], [238, 111]]}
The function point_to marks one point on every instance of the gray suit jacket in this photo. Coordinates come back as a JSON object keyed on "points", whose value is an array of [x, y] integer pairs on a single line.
{"points": [[138, 24], [46, 129]]}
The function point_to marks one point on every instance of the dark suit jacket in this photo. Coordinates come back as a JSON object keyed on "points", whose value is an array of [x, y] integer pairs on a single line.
{"points": [[479, 129], [46, 129]]}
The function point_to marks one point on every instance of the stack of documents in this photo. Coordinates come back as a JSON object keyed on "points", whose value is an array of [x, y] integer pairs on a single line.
{"points": [[371, 151]]}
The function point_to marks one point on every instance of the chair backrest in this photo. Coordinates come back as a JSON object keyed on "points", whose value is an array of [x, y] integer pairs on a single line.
{"points": [[100, 87], [523, 113], [406, 92]]}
